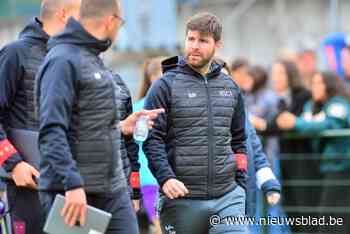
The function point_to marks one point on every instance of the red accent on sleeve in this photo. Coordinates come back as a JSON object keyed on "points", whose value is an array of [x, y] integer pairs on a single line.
{"points": [[242, 162], [7, 150], [135, 179]]}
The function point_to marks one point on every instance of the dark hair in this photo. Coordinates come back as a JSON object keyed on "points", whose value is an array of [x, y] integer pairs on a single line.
{"points": [[205, 23], [150, 67], [293, 75], [334, 85], [238, 63], [259, 76], [98, 8]]}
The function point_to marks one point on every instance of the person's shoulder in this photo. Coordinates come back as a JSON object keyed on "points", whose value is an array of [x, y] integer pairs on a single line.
{"points": [[67, 52], [165, 80], [168, 76], [228, 81], [58, 55], [339, 99], [14, 49]]}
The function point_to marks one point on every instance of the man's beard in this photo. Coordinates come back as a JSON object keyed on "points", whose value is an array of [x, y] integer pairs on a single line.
{"points": [[203, 62]]}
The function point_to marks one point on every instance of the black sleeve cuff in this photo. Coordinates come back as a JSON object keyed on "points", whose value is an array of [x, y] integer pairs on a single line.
{"points": [[136, 194], [11, 162], [73, 181]]}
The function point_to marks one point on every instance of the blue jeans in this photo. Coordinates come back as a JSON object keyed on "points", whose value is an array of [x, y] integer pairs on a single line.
{"points": [[192, 216], [118, 204]]}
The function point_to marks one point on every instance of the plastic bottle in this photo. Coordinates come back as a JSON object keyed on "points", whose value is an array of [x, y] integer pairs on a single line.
{"points": [[141, 129]]}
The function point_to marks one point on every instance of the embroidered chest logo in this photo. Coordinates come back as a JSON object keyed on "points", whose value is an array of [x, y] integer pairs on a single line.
{"points": [[97, 76], [192, 95], [225, 93]]}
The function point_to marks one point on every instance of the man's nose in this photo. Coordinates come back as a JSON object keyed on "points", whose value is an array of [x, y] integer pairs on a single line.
{"points": [[195, 45]]}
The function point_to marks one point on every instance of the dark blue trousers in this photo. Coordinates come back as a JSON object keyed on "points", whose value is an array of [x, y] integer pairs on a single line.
{"points": [[118, 204]]}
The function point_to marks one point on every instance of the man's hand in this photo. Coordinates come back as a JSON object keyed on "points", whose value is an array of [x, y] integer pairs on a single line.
{"points": [[75, 207], [136, 205], [286, 121], [174, 188], [23, 174], [258, 123], [273, 198], [128, 124]]}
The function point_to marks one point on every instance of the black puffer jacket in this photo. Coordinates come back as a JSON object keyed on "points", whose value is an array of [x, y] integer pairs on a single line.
{"points": [[204, 125], [19, 63], [79, 137], [129, 148]]}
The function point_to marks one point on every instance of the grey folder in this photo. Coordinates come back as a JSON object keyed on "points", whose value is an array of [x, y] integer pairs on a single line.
{"points": [[96, 220], [26, 143]]}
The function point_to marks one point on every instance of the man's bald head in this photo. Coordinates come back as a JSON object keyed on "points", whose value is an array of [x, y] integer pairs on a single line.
{"points": [[50, 7], [54, 14], [97, 9]]}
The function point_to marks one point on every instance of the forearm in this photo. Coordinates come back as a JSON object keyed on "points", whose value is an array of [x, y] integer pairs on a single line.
{"points": [[238, 130], [133, 153], [55, 150], [154, 149], [9, 155]]}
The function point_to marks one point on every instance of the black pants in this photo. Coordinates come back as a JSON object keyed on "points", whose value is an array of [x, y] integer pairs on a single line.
{"points": [[25, 209], [118, 204]]}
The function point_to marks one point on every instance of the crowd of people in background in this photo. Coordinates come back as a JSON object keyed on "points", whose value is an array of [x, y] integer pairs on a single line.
{"points": [[292, 96]]}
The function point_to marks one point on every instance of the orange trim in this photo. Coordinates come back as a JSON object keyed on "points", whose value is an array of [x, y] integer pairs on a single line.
{"points": [[135, 179], [7, 150]]}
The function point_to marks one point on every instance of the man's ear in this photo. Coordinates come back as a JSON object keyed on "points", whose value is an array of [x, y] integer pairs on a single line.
{"points": [[62, 15], [109, 22], [219, 44]]}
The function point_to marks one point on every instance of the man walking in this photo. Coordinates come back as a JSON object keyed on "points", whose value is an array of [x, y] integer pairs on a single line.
{"points": [[80, 127], [197, 148], [19, 62]]}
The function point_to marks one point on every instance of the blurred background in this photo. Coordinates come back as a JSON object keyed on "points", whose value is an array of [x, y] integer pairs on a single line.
{"points": [[260, 30]]}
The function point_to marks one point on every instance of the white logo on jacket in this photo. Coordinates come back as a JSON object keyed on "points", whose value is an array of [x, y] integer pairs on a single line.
{"points": [[226, 93], [170, 229], [192, 95], [97, 76]]}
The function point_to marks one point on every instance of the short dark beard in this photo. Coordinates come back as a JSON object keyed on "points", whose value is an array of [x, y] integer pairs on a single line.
{"points": [[203, 64]]}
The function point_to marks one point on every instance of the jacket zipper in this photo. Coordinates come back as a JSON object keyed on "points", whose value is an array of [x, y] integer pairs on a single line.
{"points": [[113, 161], [210, 140]]}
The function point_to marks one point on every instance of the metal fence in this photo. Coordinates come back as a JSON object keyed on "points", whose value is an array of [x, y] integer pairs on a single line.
{"points": [[309, 192]]}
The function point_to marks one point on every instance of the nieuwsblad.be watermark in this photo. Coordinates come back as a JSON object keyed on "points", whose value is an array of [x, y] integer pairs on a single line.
{"points": [[272, 220]]}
